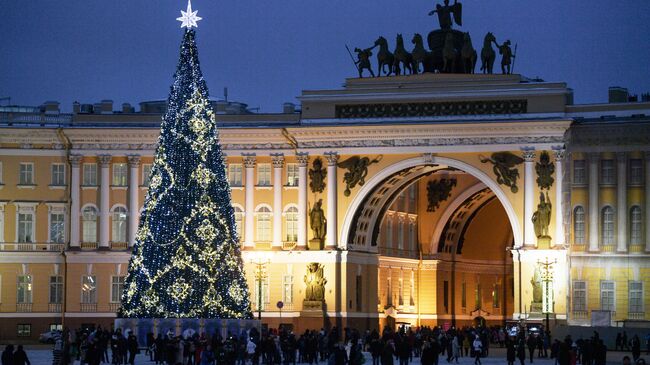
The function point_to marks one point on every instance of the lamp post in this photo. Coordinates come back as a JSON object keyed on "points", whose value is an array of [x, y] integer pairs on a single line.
{"points": [[260, 275], [547, 288]]}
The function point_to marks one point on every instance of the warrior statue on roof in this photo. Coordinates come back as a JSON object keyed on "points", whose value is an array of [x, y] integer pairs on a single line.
{"points": [[444, 14]]}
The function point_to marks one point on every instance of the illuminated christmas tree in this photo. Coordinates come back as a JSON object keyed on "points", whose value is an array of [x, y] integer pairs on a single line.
{"points": [[186, 261]]}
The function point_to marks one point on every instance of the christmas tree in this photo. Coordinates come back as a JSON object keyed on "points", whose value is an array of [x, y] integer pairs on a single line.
{"points": [[186, 261]]}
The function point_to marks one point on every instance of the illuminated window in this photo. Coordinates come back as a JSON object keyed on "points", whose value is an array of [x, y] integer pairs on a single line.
{"points": [[579, 176], [90, 174], [89, 224], [24, 330], [26, 227], [400, 234], [265, 294], [24, 289], [235, 174], [292, 174], [26, 176], [389, 290], [117, 287], [635, 298], [263, 224], [119, 224], [607, 296], [119, 174], [57, 227], [400, 292], [607, 226], [287, 289], [477, 296], [58, 174], [264, 174], [579, 296], [239, 219], [607, 172], [291, 218], [463, 294], [88, 289], [56, 289], [636, 225], [579, 225]]}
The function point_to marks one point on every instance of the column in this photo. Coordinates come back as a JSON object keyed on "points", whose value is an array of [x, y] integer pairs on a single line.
{"points": [[134, 199], [330, 238], [104, 202], [621, 201], [249, 188], [559, 182], [529, 196], [303, 161], [646, 212], [75, 200], [278, 164], [594, 159]]}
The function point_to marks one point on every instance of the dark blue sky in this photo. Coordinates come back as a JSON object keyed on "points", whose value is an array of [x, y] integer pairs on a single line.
{"points": [[266, 52]]}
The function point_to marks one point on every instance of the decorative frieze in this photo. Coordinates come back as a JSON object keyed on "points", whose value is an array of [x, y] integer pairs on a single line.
{"points": [[432, 109]]}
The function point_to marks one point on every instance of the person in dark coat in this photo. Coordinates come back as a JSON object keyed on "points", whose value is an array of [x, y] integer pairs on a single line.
{"points": [[20, 356], [132, 345], [340, 355], [8, 355], [510, 352], [521, 351], [532, 344], [426, 358], [387, 353], [636, 348]]}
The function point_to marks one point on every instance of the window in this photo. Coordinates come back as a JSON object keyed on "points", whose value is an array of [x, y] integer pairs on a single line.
{"points": [[24, 330], [607, 226], [495, 296], [58, 174], [119, 174], [89, 227], [265, 293], [239, 221], [477, 298], [287, 289], [412, 289], [463, 294], [117, 287], [607, 298], [90, 174], [88, 289], [24, 289], [235, 174], [264, 174], [26, 176], [263, 224], [56, 289], [579, 176], [57, 227], [636, 225], [292, 174], [579, 296], [636, 171], [25, 227], [146, 174], [389, 291], [359, 292], [635, 297], [607, 173], [291, 217], [400, 234], [56, 327], [579, 225], [400, 291], [412, 236], [119, 224]]}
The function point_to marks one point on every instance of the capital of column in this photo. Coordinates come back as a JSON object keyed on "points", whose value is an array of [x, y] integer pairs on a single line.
{"points": [[104, 160], [249, 160], [134, 160], [75, 160], [528, 153], [621, 156], [278, 160], [558, 152], [593, 156], [302, 158], [332, 158]]}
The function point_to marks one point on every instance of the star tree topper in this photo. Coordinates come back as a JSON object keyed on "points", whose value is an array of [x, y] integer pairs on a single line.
{"points": [[189, 18]]}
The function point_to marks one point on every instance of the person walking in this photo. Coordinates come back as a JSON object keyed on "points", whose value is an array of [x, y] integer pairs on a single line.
{"points": [[455, 349], [478, 348], [532, 344], [8, 355], [20, 356], [521, 351], [510, 351], [636, 348]]}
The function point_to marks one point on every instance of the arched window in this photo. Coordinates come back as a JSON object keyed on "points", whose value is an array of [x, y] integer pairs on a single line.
{"points": [[291, 219], [239, 219], [89, 227], [607, 226], [579, 225], [263, 224], [119, 224], [636, 225]]}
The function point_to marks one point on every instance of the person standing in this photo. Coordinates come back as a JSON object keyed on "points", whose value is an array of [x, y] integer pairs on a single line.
{"points": [[532, 343], [455, 349], [8, 355], [521, 351], [636, 348], [20, 356], [510, 351], [132, 344], [478, 348]]}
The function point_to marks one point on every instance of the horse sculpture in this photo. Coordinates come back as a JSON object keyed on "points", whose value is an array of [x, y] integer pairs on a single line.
{"points": [[449, 54], [487, 53], [402, 56], [384, 57], [419, 54], [468, 55]]}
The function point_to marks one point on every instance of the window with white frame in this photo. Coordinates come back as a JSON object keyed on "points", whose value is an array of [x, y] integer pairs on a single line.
{"points": [[265, 298], [119, 224], [56, 289], [263, 224], [239, 220], [607, 296], [292, 174], [400, 234], [24, 330], [117, 287], [291, 219], [24, 289], [58, 174], [607, 226], [579, 296], [88, 289], [119, 174], [90, 174], [25, 226], [264, 174], [636, 225], [146, 174], [579, 225], [287, 289], [607, 172], [579, 173], [26, 175], [635, 296], [235, 174], [636, 171], [57, 227], [89, 224]]}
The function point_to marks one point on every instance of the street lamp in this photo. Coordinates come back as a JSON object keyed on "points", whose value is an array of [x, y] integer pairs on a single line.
{"points": [[260, 274], [547, 287]]}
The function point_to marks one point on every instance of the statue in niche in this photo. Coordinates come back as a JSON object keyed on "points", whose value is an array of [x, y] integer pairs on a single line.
{"points": [[318, 222], [545, 170], [505, 168], [542, 217], [357, 171], [438, 191], [317, 175], [536, 282], [315, 281]]}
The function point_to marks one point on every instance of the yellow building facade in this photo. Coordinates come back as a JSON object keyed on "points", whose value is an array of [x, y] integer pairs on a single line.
{"points": [[426, 225]]}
